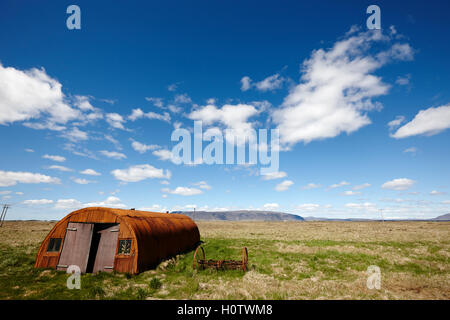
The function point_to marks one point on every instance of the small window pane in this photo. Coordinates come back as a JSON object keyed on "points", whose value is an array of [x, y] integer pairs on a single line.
{"points": [[124, 246], [54, 245]]}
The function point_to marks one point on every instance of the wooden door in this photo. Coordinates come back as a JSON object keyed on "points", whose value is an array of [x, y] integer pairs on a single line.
{"points": [[104, 260], [76, 247]]}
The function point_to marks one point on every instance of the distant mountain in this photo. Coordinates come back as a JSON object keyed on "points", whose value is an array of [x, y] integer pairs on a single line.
{"points": [[241, 215], [444, 217], [336, 219]]}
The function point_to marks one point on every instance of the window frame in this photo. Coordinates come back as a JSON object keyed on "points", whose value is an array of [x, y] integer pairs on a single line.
{"points": [[54, 245], [130, 241]]}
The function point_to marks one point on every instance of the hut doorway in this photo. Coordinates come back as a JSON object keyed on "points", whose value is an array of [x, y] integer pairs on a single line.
{"points": [[90, 246]]}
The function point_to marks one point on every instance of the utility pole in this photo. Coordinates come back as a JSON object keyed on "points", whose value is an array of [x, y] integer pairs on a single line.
{"points": [[193, 216], [382, 217], [3, 215]]}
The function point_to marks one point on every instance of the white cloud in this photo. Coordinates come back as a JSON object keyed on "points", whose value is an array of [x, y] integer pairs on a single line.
{"points": [[163, 154], [427, 122], [336, 90], [246, 83], [403, 81], [412, 150], [338, 185], [157, 102], [5, 192], [82, 181], [76, 135], [138, 114], [437, 193], [113, 154], [308, 207], [115, 120], [350, 193], [398, 184], [143, 148], [172, 87], [271, 206], [154, 208], [54, 158], [30, 94], [38, 202], [361, 186], [90, 172], [396, 122], [311, 186], [11, 178], [283, 186], [233, 117], [182, 98], [139, 173], [274, 175], [202, 185], [68, 204], [270, 83], [362, 206], [60, 168], [183, 191], [29, 150], [111, 201]]}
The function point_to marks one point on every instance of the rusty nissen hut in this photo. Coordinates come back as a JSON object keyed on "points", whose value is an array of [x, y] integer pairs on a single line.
{"points": [[105, 239]]}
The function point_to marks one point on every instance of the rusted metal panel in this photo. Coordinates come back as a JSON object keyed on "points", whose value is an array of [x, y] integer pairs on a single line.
{"points": [[76, 246]]}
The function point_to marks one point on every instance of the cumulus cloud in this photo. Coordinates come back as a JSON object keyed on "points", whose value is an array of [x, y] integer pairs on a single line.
{"points": [[183, 191], [115, 120], [202, 185], [54, 158], [437, 193], [142, 147], [311, 186], [308, 207], [163, 154], [271, 206], [60, 168], [362, 206], [32, 94], [270, 83], [412, 150], [427, 122], [157, 102], [396, 122], [350, 193], [112, 202], [336, 89], [38, 202], [113, 154], [182, 98], [274, 175], [90, 172], [398, 184], [140, 172], [233, 117], [67, 204], [283, 186], [82, 181], [11, 178], [138, 114], [76, 135], [246, 83], [338, 185], [361, 186]]}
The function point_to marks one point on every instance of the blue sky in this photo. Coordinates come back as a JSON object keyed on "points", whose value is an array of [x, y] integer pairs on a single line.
{"points": [[363, 114]]}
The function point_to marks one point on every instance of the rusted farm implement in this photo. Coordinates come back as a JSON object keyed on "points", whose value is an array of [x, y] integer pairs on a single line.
{"points": [[220, 264]]}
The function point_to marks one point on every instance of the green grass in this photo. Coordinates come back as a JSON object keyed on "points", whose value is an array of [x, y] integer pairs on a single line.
{"points": [[177, 279]]}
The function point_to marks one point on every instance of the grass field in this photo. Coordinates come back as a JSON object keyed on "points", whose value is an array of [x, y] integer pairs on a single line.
{"points": [[288, 260]]}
